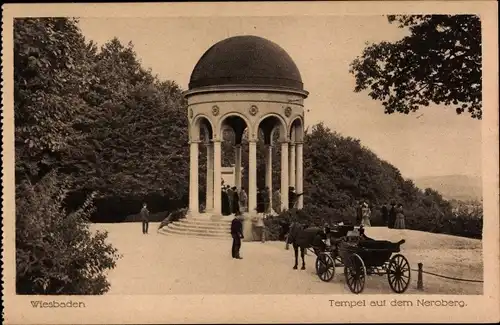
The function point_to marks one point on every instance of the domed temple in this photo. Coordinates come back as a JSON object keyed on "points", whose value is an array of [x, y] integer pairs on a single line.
{"points": [[245, 83]]}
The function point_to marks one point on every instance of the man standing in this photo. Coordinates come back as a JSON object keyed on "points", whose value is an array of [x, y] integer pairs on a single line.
{"points": [[236, 202], [144, 217], [359, 213], [385, 214], [230, 197], [392, 215], [237, 234]]}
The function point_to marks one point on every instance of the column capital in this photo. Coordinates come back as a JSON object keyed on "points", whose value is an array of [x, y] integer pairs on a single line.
{"points": [[194, 141], [292, 143], [252, 141], [299, 142], [216, 141], [285, 142]]}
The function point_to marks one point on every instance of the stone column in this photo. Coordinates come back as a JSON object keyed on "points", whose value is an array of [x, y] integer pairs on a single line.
{"points": [[299, 174], [291, 153], [237, 166], [217, 178], [269, 174], [193, 178], [292, 164], [209, 203], [284, 175], [252, 175]]}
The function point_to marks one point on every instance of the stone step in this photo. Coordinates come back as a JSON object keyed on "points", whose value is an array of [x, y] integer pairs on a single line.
{"points": [[198, 230], [205, 219], [204, 223], [202, 226], [190, 232], [193, 236]]}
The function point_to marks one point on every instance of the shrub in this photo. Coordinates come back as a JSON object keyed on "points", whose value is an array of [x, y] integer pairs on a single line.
{"points": [[174, 216], [56, 252]]}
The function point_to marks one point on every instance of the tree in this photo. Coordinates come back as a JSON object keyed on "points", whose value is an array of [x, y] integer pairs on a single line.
{"points": [[56, 251], [52, 69], [135, 136], [439, 62]]}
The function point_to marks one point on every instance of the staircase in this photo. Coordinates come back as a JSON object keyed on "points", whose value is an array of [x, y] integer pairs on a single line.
{"points": [[201, 227]]}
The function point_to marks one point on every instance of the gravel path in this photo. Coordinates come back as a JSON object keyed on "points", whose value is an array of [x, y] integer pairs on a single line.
{"points": [[162, 264]]}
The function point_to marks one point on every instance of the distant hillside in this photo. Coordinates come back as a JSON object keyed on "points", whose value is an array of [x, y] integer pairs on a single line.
{"points": [[459, 187]]}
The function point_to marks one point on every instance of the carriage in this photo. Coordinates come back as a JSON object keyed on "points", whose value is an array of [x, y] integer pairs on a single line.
{"points": [[362, 257]]}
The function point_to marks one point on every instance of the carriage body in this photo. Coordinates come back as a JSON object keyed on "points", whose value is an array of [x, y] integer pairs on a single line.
{"points": [[374, 253], [360, 258]]}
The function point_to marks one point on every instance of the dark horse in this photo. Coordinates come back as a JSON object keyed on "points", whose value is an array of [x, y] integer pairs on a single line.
{"points": [[311, 237]]}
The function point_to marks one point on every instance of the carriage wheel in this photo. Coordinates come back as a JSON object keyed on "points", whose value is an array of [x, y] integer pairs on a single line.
{"points": [[325, 267], [398, 273], [355, 273]]}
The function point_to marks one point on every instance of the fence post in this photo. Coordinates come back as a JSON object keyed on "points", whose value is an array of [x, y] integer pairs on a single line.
{"points": [[420, 281]]}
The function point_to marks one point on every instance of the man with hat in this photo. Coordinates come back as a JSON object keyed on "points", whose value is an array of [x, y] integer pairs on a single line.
{"points": [[237, 234]]}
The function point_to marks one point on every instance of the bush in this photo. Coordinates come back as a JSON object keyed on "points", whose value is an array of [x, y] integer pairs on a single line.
{"points": [[174, 216], [56, 252]]}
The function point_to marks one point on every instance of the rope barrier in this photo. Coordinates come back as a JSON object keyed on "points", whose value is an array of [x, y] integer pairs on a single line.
{"points": [[449, 277]]}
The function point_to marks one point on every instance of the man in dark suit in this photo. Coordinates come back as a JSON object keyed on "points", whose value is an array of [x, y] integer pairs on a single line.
{"points": [[385, 214], [237, 234], [392, 215], [359, 213], [236, 202], [144, 218]]}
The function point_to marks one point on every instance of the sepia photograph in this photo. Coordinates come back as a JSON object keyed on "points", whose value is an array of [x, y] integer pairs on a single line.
{"points": [[337, 156]]}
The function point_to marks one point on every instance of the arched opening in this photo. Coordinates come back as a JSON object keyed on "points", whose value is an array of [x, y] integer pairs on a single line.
{"points": [[296, 131], [202, 131], [234, 164], [271, 133]]}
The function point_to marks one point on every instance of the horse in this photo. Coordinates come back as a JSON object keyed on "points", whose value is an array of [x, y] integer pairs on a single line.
{"points": [[305, 238]]}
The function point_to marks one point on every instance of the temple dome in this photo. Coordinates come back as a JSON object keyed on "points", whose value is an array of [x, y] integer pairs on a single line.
{"points": [[246, 61]]}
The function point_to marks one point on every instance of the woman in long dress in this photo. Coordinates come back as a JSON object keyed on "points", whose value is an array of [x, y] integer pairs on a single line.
{"points": [[365, 210], [400, 218], [243, 200]]}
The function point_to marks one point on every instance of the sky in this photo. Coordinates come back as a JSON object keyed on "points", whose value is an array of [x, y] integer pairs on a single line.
{"points": [[434, 141]]}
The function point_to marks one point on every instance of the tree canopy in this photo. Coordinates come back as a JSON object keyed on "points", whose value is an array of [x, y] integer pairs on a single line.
{"points": [[439, 62]]}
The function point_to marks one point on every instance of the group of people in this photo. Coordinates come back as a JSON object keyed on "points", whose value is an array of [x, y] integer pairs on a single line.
{"points": [[392, 217], [233, 200]]}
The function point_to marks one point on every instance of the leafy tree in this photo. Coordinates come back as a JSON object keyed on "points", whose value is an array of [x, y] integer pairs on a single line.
{"points": [[135, 135], [56, 251], [439, 62], [52, 69]]}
